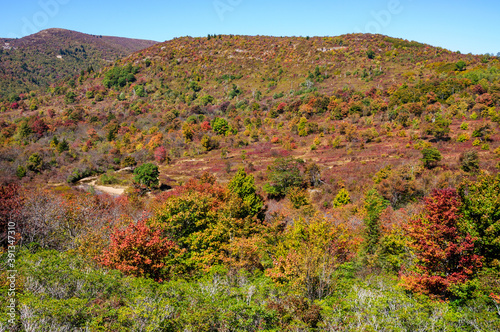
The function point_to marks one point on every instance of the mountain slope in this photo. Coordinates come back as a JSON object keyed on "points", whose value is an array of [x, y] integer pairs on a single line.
{"points": [[353, 104], [312, 158], [50, 55], [274, 65]]}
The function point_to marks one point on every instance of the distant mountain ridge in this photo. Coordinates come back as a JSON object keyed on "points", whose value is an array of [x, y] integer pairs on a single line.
{"points": [[42, 58]]}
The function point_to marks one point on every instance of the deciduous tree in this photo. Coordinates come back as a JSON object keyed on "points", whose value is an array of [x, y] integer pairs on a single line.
{"points": [[445, 254], [138, 250], [481, 214], [283, 174], [147, 175]]}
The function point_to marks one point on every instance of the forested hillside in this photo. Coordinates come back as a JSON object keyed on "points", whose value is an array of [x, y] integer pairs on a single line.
{"points": [[36, 61], [238, 183]]}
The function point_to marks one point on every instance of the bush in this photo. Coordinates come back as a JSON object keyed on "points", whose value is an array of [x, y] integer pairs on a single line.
{"points": [[62, 146], [35, 162], [283, 174], [160, 154], [220, 126], [309, 254], [208, 143], [70, 97], [400, 187], [431, 157], [20, 172], [129, 161], [138, 250], [469, 161], [79, 174], [463, 137], [108, 179], [298, 197], [342, 198], [147, 175]]}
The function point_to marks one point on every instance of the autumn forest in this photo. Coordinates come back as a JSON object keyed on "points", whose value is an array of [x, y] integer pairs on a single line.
{"points": [[248, 183]]}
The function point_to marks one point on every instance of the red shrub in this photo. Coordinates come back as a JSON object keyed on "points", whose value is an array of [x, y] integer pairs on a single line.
{"points": [[205, 125], [485, 99], [137, 250], [39, 127], [160, 154]]}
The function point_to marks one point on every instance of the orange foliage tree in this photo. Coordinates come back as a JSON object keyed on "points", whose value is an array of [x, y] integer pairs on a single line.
{"points": [[445, 255], [138, 250]]}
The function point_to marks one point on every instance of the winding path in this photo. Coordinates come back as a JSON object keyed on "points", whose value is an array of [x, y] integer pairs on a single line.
{"points": [[91, 181]]}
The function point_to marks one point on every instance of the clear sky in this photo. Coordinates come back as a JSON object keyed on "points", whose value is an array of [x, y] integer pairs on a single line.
{"points": [[458, 25]]}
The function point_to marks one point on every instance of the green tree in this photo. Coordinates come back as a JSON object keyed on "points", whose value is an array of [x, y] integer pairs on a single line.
{"points": [[283, 174], [202, 220], [118, 77], [302, 127], [23, 130], [439, 128], [35, 162], [431, 157], [112, 132], [62, 146], [243, 186], [206, 100], [220, 126], [195, 86], [70, 97], [139, 91], [375, 204], [20, 172], [481, 214], [147, 175], [342, 198], [460, 65]]}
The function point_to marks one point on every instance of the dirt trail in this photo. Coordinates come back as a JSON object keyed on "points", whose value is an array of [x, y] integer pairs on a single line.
{"points": [[110, 190], [91, 181]]}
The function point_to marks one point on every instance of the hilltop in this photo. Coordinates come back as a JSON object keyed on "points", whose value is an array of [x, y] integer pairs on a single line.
{"points": [[282, 64], [38, 60]]}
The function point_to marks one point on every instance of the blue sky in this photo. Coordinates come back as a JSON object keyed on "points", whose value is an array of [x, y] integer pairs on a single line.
{"points": [[467, 26]]}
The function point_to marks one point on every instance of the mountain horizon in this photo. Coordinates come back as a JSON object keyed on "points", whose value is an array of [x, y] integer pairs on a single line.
{"points": [[40, 59]]}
